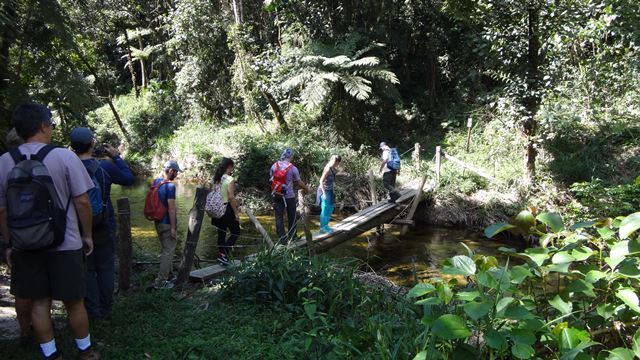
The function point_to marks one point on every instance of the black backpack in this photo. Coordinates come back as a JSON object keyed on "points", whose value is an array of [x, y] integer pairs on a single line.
{"points": [[37, 220]]}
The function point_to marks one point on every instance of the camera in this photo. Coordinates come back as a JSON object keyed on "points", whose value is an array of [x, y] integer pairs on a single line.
{"points": [[100, 151]]}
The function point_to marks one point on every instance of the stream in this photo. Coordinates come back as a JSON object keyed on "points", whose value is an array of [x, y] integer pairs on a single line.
{"points": [[418, 255]]}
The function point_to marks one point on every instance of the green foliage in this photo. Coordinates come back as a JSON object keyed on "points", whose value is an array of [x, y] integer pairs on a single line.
{"points": [[148, 118], [596, 198], [340, 316], [574, 296]]}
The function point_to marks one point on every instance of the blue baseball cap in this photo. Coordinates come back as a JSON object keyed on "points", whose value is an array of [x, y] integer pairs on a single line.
{"points": [[81, 135], [172, 164]]}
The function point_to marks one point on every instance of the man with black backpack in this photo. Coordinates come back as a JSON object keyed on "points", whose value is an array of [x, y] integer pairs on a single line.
{"points": [[390, 168], [103, 173], [43, 196]]}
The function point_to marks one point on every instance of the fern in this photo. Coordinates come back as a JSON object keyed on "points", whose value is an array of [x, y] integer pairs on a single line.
{"points": [[364, 62], [356, 86]]}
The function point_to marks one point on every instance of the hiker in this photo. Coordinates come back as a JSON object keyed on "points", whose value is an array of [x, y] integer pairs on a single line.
{"points": [[23, 306], [225, 183], [103, 173], [326, 195], [166, 223], [284, 175], [390, 168], [45, 243]]}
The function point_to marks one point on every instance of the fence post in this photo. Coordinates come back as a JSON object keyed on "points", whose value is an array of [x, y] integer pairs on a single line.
{"points": [[196, 215], [469, 125], [306, 221], [416, 155], [438, 162], [124, 244], [259, 227], [372, 188]]}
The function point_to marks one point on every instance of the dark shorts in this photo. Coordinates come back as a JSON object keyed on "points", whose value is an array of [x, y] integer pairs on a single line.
{"points": [[59, 275]]}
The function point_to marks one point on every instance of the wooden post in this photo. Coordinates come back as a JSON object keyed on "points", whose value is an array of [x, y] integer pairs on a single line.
{"points": [[438, 162], [306, 220], [196, 215], [124, 244], [261, 230], [469, 125], [414, 206], [372, 188], [416, 155]]}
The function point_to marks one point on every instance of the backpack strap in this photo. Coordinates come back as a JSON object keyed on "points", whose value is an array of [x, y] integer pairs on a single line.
{"points": [[40, 155], [17, 155]]}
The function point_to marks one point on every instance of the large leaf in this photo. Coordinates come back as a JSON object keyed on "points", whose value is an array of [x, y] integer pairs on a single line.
{"points": [[537, 255], [356, 86], [563, 306], [368, 61], [523, 336], [467, 295], [582, 253], [571, 354], [620, 354], [476, 310], [519, 273], [495, 229], [581, 286], [422, 355], [570, 338], [562, 257], [420, 290], [630, 298], [450, 327], [524, 221], [495, 339], [630, 224], [460, 265], [522, 351], [552, 220], [636, 343]]}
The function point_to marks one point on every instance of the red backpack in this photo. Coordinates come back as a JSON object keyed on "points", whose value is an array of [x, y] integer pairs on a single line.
{"points": [[154, 209], [279, 179]]}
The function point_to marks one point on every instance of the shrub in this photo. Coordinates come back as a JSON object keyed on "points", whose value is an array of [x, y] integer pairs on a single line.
{"points": [[573, 296]]}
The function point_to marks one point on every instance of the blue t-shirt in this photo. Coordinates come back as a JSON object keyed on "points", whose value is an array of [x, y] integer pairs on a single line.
{"points": [[166, 192], [117, 172]]}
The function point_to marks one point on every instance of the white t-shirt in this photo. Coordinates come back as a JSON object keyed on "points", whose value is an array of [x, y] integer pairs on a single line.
{"points": [[70, 179], [385, 158]]}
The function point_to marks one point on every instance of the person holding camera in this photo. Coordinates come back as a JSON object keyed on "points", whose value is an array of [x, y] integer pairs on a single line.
{"points": [[105, 167], [283, 176]]}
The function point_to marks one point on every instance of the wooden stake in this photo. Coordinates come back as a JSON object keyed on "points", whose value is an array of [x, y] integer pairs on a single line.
{"points": [[469, 125], [306, 220], [438, 163], [261, 230], [372, 188], [416, 155], [414, 206], [124, 244], [196, 215]]}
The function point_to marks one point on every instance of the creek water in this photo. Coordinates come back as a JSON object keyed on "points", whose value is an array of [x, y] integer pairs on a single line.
{"points": [[417, 255]]}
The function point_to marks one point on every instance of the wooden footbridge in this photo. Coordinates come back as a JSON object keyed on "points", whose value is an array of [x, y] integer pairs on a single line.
{"points": [[379, 213]]}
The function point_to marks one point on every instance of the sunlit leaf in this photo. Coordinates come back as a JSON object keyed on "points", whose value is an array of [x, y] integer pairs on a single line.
{"points": [[620, 354], [563, 306], [422, 355], [629, 225], [552, 220], [571, 354], [570, 338], [630, 298], [562, 257]]}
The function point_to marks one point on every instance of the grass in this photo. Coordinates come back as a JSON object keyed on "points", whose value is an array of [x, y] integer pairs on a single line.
{"points": [[162, 325]]}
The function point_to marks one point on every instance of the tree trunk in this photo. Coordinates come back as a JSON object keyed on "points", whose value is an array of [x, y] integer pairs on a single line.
{"points": [[276, 110], [7, 37], [532, 97], [130, 64], [142, 70], [125, 133]]}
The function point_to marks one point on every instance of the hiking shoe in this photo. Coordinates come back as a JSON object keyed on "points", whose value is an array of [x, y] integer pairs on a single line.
{"points": [[164, 286], [223, 260], [90, 353], [326, 230], [55, 356]]}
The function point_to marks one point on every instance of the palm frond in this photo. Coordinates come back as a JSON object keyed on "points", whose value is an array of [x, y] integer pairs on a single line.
{"points": [[378, 74], [339, 60], [364, 62], [368, 48], [297, 81], [357, 86], [314, 93]]}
